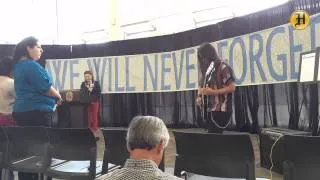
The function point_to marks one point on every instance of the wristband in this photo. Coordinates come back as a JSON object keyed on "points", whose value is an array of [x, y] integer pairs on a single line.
{"points": [[59, 99]]}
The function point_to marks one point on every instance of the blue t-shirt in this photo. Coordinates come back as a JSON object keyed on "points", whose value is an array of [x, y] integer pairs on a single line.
{"points": [[32, 82]]}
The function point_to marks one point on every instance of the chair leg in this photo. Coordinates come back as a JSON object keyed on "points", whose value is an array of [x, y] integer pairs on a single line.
{"points": [[42, 176], [184, 174], [13, 175], [177, 168], [287, 170], [5, 175], [250, 170]]}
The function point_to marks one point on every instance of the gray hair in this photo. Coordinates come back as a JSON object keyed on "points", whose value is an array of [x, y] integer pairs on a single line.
{"points": [[146, 132]]}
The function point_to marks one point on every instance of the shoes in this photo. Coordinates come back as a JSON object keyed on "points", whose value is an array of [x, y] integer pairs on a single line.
{"points": [[96, 135]]}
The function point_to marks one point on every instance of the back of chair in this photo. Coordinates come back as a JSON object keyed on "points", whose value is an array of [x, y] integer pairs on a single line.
{"points": [[302, 157], [72, 144], [115, 146], [228, 156], [3, 147], [27, 141]]}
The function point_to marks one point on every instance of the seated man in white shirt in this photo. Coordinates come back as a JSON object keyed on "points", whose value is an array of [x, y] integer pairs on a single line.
{"points": [[7, 96], [147, 138], [7, 93]]}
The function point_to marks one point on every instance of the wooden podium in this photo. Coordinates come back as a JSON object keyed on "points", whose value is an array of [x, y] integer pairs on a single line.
{"points": [[73, 113]]}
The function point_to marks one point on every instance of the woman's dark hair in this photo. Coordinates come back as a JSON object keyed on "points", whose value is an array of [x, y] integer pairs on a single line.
{"points": [[206, 54], [89, 72], [6, 66], [21, 48]]}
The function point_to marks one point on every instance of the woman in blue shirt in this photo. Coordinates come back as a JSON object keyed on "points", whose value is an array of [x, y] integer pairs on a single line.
{"points": [[35, 95]]}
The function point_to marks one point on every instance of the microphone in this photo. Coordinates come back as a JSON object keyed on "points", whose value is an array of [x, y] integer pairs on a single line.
{"points": [[90, 87]]}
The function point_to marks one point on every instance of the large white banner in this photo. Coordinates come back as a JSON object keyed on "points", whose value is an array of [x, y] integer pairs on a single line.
{"points": [[264, 57]]}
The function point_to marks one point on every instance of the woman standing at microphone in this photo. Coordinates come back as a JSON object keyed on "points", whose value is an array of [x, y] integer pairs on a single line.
{"points": [[92, 88]]}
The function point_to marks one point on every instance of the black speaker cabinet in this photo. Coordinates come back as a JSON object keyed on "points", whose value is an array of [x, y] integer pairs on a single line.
{"points": [[268, 137]]}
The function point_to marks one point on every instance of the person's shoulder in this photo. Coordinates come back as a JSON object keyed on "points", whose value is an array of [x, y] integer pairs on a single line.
{"points": [[10, 81], [170, 177], [225, 64], [114, 175], [7, 80], [105, 177], [83, 85], [26, 61], [29, 64]]}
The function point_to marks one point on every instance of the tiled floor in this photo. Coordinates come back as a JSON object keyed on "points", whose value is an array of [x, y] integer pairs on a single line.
{"points": [[171, 151]]}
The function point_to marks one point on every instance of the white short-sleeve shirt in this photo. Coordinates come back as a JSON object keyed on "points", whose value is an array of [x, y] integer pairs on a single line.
{"points": [[7, 95]]}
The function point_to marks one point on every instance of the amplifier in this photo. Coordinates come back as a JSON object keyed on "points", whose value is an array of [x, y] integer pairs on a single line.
{"points": [[268, 137]]}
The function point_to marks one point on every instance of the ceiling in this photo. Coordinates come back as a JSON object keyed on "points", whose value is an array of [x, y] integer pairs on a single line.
{"points": [[96, 21]]}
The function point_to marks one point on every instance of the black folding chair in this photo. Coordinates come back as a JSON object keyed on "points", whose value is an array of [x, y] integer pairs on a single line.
{"points": [[215, 155], [4, 144], [115, 148], [301, 158], [77, 147], [28, 147], [116, 151]]}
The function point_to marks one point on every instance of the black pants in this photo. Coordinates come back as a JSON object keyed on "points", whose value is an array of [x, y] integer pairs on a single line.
{"points": [[32, 118], [220, 118]]}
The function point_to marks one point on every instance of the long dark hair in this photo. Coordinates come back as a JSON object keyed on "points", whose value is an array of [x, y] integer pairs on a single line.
{"points": [[206, 54], [6, 66], [21, 48]]}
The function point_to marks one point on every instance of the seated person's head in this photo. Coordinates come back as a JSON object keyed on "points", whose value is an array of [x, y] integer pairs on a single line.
{"points": [[147, 138], [6, 66]]}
